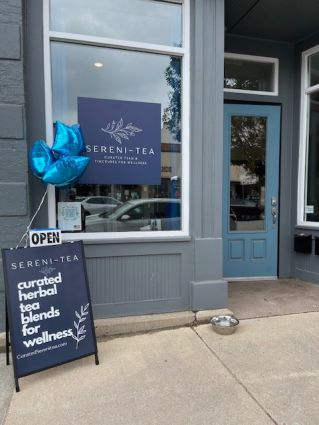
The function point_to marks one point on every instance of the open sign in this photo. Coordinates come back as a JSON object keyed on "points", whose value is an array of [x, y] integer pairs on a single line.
{"points": [[45, 237]]}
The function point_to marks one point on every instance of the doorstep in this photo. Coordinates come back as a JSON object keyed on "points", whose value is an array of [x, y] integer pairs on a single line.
{"points": [[116, 326]]}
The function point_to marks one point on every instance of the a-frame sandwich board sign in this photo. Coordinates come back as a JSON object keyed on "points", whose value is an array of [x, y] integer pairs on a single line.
{"points": [[49, 309]]}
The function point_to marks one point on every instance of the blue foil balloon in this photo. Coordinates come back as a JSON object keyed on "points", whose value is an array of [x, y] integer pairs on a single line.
{"points": [[40, 158], [68, 139], [62, 164], [66, 170]]}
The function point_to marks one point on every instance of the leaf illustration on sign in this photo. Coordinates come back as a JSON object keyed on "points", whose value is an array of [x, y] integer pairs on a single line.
{"points": [[118, 132], [47, 270], [80, 334]]}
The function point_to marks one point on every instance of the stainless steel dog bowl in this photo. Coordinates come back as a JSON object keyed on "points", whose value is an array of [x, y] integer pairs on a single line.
{"points": [[224, 325]]}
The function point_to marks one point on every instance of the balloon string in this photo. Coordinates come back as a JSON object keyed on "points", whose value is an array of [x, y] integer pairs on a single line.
{"points": [[25, 235]]}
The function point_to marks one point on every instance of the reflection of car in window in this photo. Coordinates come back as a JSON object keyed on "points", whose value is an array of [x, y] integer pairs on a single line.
{"points": [[138, 215], [98, 204]]}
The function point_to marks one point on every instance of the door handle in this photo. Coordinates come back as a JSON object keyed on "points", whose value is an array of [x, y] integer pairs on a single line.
{"points": [[274, 214]]}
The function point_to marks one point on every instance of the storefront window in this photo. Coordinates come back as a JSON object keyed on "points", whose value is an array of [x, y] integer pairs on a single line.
{"points": [[312, 196], [309, 171], [85, 69]]}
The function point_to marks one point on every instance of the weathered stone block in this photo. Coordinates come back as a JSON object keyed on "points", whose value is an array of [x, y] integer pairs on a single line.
{"points": [[13, 160], [11, 82], [10, 44], [13, 199], [11, 230], [11, 121], [11, 11]]}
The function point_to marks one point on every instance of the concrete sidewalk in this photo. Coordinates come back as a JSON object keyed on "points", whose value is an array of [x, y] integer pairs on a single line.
{"points": [[266, 373]]}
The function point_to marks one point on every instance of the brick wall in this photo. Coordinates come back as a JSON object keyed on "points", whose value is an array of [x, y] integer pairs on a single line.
{"points": [[13, 146]]}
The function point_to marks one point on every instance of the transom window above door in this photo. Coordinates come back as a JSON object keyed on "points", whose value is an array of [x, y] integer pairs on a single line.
{"points": [[251, 74]]}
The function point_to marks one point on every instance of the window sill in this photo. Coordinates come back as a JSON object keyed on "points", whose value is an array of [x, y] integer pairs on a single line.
{"points": [[134, 237], [261, 93], [308, 226]]}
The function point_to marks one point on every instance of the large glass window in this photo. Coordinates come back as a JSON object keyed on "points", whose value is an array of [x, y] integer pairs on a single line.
{"points": [[83, 68], [312, 195], [309, 158]]}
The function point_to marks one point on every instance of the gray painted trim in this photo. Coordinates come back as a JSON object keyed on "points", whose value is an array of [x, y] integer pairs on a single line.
{"points": [[139, 283], [307, 275], [207, 132], [208, 290], [208, 295], [124, 249], [137, 240], [208, 259]]}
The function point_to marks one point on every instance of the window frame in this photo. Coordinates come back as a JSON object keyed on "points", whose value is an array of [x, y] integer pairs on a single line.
{"points": [[305, 91], [182, 52], [262, 59]]}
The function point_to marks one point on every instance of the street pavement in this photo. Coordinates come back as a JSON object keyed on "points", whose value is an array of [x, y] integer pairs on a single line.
{"points": [[266, 373]]}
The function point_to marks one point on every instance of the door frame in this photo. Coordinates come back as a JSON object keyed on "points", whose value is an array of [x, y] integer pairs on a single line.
{"points": [[259, 103]]}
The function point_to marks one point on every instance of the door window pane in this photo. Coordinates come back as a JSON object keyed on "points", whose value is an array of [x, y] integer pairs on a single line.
{"points": [[147, 21], [133, 76], [244, 74], [247, 173]]}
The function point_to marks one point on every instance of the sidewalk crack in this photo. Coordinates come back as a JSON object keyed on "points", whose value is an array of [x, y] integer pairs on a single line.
{"points": [[236, 378]]}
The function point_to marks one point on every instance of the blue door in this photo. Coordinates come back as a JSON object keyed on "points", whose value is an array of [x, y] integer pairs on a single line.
{"points": [[250, 190]]}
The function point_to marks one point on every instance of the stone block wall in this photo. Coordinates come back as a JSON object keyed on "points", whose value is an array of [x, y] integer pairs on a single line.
{"points": [[14, 211]]}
